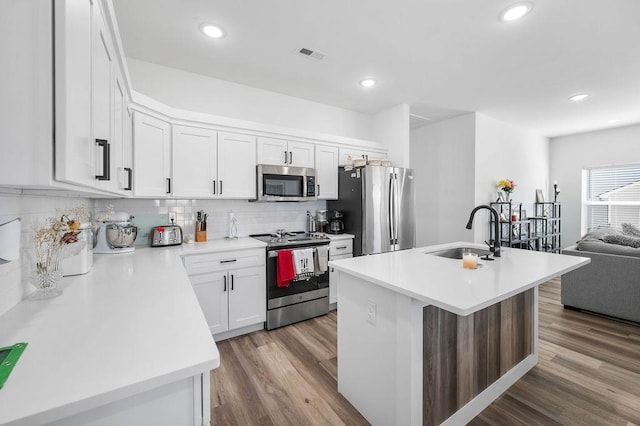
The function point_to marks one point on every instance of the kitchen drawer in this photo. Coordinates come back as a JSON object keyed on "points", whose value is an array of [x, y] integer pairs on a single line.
{"points": [[224, 261], [339, 247]]}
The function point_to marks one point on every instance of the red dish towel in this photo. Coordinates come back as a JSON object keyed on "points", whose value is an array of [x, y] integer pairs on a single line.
{"points": [[284, 270]]}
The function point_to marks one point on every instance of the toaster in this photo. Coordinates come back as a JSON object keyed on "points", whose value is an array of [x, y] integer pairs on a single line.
{"points": [[167, 235]]}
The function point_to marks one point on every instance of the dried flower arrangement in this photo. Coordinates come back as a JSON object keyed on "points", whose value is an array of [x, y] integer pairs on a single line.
{"points": [[49, 241]]}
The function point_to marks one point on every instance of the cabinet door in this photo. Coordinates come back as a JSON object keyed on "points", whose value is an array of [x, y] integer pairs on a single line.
{"points": [[102, 107], [119, 175], [212, 291], [248, 297], [74, 148], [327, 172], [301, 154], [194, 162], [273, 151], [333, 279], [151, 156], [127, 149], [236, 166]]}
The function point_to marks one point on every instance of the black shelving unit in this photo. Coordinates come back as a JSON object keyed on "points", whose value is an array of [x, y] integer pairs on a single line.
{"points": [[547, 226], [515, 231]]}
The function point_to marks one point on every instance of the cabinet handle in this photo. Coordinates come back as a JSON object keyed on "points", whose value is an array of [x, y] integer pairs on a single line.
{"points": [[106, 159], [129, 171], [290, 157], [231, 281], [341, 248], [228, 261], [168, 185], [214, 187], [220, 187], [285, 157], [225, 283], [318, 194]]}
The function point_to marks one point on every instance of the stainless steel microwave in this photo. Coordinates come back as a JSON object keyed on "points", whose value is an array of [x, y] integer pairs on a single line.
{"points": [[283, 183]]}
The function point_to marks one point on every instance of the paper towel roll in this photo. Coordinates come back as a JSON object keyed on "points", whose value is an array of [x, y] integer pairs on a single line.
{"points": [[10, 240]]}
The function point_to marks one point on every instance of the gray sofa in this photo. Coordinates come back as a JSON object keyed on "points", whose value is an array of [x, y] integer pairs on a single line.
{"points": [[610, 284]]}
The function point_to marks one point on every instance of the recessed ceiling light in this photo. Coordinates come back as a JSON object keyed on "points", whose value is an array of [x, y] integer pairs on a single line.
{"points": [[614, 121], [579, 97], [212, 31], [369, 82], [515, 11]]}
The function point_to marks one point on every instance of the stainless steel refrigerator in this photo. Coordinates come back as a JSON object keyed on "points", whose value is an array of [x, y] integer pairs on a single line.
{"points": [[378, 206]]}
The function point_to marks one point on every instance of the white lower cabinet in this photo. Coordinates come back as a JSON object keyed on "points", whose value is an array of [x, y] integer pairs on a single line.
{"points": [[338, 249], [230, 287]]}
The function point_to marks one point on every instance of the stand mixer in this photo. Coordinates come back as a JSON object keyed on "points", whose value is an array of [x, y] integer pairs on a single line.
{"points": [[115, 235]]}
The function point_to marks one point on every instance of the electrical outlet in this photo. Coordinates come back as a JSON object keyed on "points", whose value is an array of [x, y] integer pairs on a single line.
{"points": [[173, 217], [372, 313]]}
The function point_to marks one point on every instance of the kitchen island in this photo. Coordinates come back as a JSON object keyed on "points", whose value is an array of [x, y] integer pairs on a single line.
{"points": [[127, 343], [423, 341]]}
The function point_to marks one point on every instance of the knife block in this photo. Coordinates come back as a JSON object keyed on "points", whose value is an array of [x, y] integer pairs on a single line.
{"points": [[201, 236]]}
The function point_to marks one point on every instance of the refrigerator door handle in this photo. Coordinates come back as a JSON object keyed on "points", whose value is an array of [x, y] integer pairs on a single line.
{"points": [[391, 211], [395, 210]]}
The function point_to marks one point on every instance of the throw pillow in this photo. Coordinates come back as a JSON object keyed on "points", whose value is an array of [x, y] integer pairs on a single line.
{"points": [[629, 229], [622, 240]]}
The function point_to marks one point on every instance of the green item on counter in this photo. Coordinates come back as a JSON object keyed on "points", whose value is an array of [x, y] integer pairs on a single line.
{"points": [[8, 358]]}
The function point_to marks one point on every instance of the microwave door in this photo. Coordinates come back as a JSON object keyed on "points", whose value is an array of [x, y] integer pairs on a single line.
{"points": [[283, 186]]}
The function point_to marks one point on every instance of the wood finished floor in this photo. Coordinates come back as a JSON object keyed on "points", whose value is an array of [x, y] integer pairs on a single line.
{"points": [[588, 374]]}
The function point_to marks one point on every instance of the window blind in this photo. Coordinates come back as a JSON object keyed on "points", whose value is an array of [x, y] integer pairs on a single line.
{"points": [[612, 196]]}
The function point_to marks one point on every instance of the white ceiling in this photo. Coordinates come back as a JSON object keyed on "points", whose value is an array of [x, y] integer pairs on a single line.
{"points": [[443, 57]]}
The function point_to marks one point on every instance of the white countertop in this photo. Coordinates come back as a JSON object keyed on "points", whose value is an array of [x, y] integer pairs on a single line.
{"points": [[446, 284], [131, 324], [222, 244], [338, 237]]}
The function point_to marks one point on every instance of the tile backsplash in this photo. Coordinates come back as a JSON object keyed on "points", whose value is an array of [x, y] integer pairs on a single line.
{"points": [[33, 211], [252, 218]]}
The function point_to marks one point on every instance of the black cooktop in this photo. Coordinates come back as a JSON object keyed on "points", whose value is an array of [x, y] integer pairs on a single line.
{"points": [[292, 239]]}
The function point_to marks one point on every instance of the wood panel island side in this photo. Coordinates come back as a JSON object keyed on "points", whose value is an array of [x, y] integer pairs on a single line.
{"points": [[421, 340]]}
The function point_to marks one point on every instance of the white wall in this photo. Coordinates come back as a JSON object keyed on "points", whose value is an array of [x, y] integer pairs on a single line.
{"points": [[195, 92], [458, 163], [442, 155], [391, 127], [509, 152], [570, 154], [33, 211]]}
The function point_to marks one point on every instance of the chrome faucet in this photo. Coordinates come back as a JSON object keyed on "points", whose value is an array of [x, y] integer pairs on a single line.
{"points": [[495, 246]]}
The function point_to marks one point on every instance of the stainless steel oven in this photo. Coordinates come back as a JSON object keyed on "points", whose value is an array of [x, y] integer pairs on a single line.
{"points": [[304, 298], [283, 183]]}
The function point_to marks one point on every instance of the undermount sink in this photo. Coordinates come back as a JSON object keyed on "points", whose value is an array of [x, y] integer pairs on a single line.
{"points": [[456, 252]]}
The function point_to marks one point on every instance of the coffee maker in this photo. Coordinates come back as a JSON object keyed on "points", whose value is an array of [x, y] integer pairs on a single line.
{"points": [[336, 225]]}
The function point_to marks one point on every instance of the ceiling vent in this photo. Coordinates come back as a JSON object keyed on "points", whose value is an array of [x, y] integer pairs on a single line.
{"points": [[311, 53], [416, 121]]}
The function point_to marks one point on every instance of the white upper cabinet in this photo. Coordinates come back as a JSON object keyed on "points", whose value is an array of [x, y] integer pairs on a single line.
{"points": [[106, 98], [301, 154], [236, 166], [208, 164], [151, 156], [346, 153], [74, 148], [327, 172], [90, 99], [194, 158], [281, 152], [273, 151]]}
